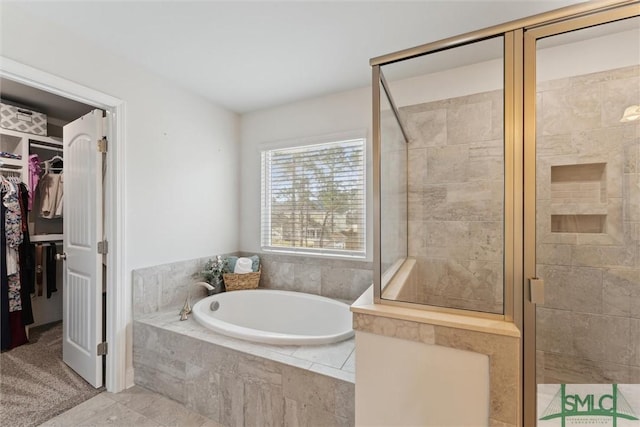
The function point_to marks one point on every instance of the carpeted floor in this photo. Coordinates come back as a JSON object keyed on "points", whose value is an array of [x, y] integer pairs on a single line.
{"points": [[35, 385]]}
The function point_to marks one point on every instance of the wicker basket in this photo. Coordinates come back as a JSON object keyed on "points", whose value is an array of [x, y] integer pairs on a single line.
{"points": [[236, 282]]}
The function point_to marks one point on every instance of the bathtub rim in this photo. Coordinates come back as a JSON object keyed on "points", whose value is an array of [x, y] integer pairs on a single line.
{"points": [[200, 311]]}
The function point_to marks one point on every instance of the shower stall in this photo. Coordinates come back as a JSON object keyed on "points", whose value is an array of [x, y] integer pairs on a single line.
{"points": [[507, 186]]}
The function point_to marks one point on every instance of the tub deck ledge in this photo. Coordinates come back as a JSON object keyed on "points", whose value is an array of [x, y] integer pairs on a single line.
{"points": [[334, 360]]}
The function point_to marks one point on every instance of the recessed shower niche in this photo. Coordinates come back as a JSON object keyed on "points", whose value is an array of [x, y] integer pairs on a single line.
{"points": [[579, 198]]}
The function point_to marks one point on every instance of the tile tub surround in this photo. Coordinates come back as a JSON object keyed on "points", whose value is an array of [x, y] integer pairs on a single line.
{"points": [[164, 286], [236, 382], [499, 340], [343, 279]]}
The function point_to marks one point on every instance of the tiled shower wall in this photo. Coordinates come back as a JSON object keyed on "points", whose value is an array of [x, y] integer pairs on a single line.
{"points": [[393, 191], [588, 229], [455, 183], [163, 286]]}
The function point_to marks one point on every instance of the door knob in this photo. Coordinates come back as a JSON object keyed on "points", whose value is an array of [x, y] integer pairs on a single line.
{"points": [[61, 257]]}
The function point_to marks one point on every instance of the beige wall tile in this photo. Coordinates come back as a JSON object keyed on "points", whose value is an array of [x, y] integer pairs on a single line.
{"points": [[486, 241], [621, 293], [403, 329], [632, 196], [554, 145], [446, 240], [634, 344], [551, 254], [578, 289], [601, 338], [587, 336], [447, 164], [631, 157], [264, 404], [554, 331], [469, 122], [417, 169], [604, 256], [417, 245], [415, 208], [567, 369], [555, 113], [426, 128], [617, 94]]}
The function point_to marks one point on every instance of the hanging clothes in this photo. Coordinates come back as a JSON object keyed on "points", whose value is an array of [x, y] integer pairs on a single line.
{"points": [[58, 211], [51, 192], [38, 250], [15, 301], [14, 237], [27, 261], [51, 269], [34, 177], [5, 327], [13, 215], [18, 331]]}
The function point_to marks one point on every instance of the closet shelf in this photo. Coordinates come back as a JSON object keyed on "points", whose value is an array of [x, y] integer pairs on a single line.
{"points": [[30, 136], [39, 238], [16, 163]]}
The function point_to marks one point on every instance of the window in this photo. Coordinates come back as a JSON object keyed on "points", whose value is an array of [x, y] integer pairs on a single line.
{"points": [[313, 199]]}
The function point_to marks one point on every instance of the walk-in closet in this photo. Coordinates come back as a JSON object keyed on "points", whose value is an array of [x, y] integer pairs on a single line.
{"points": [[37, 320]]}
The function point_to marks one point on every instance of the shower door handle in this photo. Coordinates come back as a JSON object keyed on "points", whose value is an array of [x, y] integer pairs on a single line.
{"points": [[536, 288]]}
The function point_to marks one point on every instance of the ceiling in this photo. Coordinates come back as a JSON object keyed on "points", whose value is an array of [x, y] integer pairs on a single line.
{"points": [[251, 55], [54, 106]]}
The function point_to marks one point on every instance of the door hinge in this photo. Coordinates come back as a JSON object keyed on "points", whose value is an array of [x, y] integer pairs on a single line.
{"points": [[102, 145], [103, 247], [102, 348]]}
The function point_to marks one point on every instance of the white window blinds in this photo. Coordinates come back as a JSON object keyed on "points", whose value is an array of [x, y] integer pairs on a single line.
{"points": [[313, 198]]}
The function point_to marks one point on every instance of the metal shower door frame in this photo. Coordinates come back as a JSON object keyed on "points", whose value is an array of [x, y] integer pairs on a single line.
{"points": [[532, 34]]}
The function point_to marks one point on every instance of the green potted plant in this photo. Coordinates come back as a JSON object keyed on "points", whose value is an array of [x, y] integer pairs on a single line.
{"points": [[212, 272]]}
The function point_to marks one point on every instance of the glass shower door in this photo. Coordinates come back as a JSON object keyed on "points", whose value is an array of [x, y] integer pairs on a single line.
{"points": [[582, 223]]}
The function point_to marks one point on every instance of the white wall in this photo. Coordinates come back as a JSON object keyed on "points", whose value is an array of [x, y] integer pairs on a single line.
{"points": [[181, 151], [333, 114], [406, 383], [462, 81], [590, 56]]}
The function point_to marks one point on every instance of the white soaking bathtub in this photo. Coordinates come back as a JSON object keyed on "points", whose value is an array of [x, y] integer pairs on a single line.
{"points": [[275, 317]]}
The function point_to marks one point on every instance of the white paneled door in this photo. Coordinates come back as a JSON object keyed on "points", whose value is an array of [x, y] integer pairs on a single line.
{"points": [[82, 213]]}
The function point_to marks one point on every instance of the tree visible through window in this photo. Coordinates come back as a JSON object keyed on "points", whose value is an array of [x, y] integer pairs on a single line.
{"points": [[313, 198]]}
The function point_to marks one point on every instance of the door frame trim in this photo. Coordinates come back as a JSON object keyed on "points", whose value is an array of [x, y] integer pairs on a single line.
{"points": [[118, 297]]}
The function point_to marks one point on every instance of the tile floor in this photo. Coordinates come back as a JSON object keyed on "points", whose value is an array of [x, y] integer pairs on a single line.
{"points": [[135, 406]]}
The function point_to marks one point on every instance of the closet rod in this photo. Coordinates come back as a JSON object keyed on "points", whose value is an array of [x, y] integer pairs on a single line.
{"points": [[47, 147]]}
